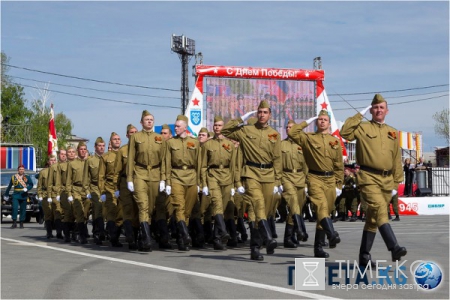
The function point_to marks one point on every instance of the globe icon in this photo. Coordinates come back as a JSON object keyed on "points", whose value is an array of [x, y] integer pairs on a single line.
{"points": [[428, 275]]}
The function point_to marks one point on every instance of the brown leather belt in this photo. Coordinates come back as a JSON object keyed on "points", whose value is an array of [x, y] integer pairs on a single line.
{"points": [[258, 165], [293, 170], [383, 173], [320, 173], [218, 167], [146, 166]]}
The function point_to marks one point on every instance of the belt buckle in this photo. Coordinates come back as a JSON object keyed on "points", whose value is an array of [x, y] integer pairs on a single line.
{"points": [[220, 166], [385, 173], [328, 174], [294, 170], [261, 166], [184, 167]]}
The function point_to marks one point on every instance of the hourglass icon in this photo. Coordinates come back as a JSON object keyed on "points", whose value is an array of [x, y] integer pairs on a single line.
{"points": [[310, 280]]}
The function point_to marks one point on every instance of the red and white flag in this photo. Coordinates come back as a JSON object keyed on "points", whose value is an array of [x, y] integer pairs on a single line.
{"points": [[52, 140]]}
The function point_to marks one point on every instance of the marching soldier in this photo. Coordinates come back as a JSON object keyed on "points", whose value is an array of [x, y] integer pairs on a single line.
{"points": [[107, 188], [54, 194], [129, 207], [76, 193], [21, 184], [261, 146], [144, 173], [45, 198], [378, 155], [348, 194], [181, 169], [293, 181], [323, 155]]}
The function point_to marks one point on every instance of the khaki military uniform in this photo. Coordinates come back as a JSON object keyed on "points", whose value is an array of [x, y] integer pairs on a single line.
{"points": [[379, 157], [74, 188], [145, 156], [107, 187], [349, 201], [90, 184], [322, 153], [181, 169], [293, 178], [42, 193], [61, 180], [261, 147], [53, 192]]}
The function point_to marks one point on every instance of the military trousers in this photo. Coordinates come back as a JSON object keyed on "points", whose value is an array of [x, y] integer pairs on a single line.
{"points": [[220, 196], [183, 198], [145, 193], [19, 202], [322, 193], [97, 205], [67, 208], [377, 201], [113, 208], [394, 201], [163, 207], [295, 198], [260, 197], [129, 205]]}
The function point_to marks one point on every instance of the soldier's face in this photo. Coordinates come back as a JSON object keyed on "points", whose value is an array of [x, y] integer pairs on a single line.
{"points": [[62, 155], [379, 112], [52, 161], [288, 127], [100, 148], [264, 115], [217, 128], [180, 127], [82, 151], [131, 131], [115, 142], [147, 122], [71, 154], [21, 171], [166, 134], [323, 123], [202, 137]]}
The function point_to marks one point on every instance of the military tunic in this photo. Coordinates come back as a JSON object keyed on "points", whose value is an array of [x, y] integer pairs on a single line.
{"points": [[322, 153], [52, 191], [107, 187], [19, 197], [182, 172], [260, 146], [90, 184], [145, 155], [61, 180], [74, 188], [43, 194], [293, 179], [377, 148]]}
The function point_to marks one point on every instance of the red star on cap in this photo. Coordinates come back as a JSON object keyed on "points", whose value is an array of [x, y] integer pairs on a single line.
{"points": [[324, 105], [196, 102]]}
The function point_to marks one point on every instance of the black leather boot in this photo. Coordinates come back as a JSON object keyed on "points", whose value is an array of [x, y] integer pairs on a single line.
{"points": [[242, 230], [199, 240], [163, 235], [134, 244], [318, 251], [255, 245], [100, 228], [391, 242], [231, 226], [305, 234], [74, 231], [129, 232], [208, 230], [183, 230], [66, 231], [272, 226], [81, 233], [114, 234], [288, 232], [146, 237], [266, 235], [58, 226], [14, 224], [173, 227], [221, 227], [21, 225], [298, 220], [217, 241], [333, 237], [364, 251], [48, 228]]}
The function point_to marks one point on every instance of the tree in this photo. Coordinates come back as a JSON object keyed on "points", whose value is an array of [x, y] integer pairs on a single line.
{"points": [[441, 125]]}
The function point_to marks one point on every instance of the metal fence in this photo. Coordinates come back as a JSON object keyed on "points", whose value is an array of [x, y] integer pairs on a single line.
{"points": [[439, 179]]}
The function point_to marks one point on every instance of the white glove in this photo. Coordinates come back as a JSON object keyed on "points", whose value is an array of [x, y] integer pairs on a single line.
{"points": [[354, 186], [130, 186], [103, 198], [70, 198], [241, 190], [233, 191], [338, 192], [275, 190], [306, 191], [49, 200], [168, 189], [88, 196], [25, 189], [6, 198], [116, 194], [310, 120], [280, 188], [364, 111], [57, 198], [394, 192], [343, 186], [205, 191], [247, 115], [198, 189], [162, 186], [39, 199]]}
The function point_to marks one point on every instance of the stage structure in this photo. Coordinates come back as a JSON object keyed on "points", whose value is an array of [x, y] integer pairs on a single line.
{"points": [[230, 92]]}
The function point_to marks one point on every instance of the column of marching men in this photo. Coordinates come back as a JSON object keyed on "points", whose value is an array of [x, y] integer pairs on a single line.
{"points": [[164, 186]]}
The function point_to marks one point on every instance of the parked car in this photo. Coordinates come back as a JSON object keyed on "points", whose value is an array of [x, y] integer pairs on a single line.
{"points": [[32, 202]]}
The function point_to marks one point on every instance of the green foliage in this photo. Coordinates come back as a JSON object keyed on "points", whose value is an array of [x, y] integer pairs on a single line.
{"points": [[441, 127]]}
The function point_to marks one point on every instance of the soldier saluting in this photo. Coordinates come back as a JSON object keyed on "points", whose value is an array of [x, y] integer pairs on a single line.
{"points": [[378, 154]]}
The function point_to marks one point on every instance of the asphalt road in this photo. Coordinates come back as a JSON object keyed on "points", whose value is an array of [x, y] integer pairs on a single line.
{"points": [[37, 268]]}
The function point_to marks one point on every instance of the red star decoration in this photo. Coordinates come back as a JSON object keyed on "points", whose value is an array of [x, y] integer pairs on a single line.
{"points": [[196, 102], [324, 105]]}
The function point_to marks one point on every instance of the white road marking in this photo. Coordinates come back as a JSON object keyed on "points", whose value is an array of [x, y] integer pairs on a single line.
{"points": [[198, 274]]}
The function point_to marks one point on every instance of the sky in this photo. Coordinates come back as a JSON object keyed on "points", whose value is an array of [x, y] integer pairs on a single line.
{"points": [[399, 49]]}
